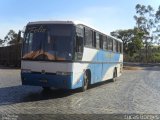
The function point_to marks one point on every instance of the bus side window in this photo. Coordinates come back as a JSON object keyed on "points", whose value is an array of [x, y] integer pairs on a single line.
{"points": [[101, 41], [97, 40], [121, 47], [79, 44], [94, 39], [110, 45], [105, 43], [88, 37], [114, 46]]}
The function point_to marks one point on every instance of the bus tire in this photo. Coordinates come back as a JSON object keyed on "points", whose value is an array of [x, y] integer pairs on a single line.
{"points": [[114, 75], [85, 81]]}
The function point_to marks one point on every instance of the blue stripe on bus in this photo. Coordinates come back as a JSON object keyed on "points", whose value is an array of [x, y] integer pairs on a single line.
{"points": [[98, 71]]}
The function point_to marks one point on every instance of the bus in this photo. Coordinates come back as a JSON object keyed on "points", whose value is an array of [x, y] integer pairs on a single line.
{"points": [[63, 54]]}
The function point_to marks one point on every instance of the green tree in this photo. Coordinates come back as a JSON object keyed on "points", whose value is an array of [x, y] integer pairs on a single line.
{"points": [[11, 38], [132, 39], [157, 31], [145, 22], [139, 42], [1, 42]]}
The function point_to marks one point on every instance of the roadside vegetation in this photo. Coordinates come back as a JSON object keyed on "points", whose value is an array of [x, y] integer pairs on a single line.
{"points": [[142, 42]]}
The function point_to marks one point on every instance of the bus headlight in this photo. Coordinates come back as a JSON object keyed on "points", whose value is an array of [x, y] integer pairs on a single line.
{"points": [[26, 71], [63, 73]]}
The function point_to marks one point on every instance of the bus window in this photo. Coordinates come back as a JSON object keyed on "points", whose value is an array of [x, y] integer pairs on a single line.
{"points": [[105, 44], [79, 44], [97, 41], [114, 45], [117, 46], [110, 43], [101, 41], [94, 39], [121, 47], [88, 37]]}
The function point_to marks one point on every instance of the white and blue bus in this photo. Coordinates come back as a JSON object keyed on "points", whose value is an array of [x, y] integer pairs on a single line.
{"points": [[62, 54]]}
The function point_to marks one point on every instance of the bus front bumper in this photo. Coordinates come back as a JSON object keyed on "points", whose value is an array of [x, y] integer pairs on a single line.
{"points": [[47, 80]]}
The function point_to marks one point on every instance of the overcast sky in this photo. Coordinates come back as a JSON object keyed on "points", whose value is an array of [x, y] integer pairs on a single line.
{"points": [[105, 15]]}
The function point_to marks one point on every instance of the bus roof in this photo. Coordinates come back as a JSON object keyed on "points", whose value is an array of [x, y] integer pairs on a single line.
{"points": [[50, 22], [70, 22]]}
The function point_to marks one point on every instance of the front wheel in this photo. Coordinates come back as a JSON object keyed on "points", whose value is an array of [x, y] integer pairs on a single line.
{"points": [[114, 75], [85, 82]]}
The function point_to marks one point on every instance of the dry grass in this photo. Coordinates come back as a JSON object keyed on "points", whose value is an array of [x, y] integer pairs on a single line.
{"points": [[132, 68]]}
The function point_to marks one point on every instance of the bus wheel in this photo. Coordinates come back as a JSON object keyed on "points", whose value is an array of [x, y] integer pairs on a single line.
{"points": [[114, 75], [85, 82], [46, 88]]}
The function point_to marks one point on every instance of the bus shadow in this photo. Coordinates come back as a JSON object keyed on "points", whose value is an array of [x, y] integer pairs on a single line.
{"points": [[46, 95], [20, 94], [58, 93]]}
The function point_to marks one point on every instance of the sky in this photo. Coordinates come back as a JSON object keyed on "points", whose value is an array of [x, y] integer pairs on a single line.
{"points": [[104, 15]]}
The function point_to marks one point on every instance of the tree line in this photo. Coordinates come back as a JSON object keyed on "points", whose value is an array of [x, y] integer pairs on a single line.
{"points": [[10, 39], [142, 42]]}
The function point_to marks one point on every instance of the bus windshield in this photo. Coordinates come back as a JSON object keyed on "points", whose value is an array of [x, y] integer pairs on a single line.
{"points": [[48, 42]]}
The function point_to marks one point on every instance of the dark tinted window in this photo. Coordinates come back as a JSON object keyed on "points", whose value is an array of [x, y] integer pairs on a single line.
{"points": [[115, 45], [97, 40], [79, 43], [94, 39], [105, 44], [88, 37], [118, 46], [121, 47], [110, 43], [101, 41]]}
